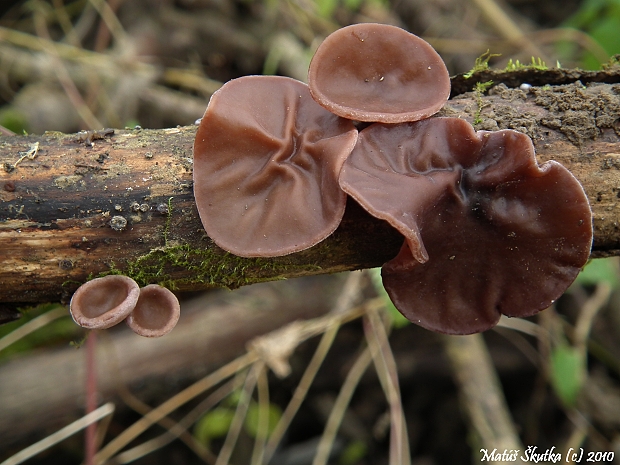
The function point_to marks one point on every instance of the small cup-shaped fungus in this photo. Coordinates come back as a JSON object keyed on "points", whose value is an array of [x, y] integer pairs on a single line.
{"points": [[156, 313], [488, 231], [266, 165], [104, 302], [377, 72]]}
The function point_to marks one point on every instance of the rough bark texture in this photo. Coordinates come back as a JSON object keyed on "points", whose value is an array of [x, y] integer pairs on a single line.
{"points": [[70, 210]]}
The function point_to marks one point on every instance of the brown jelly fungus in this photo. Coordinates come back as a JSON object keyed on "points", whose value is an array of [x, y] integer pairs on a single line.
{"points": [[377, 72], [104, 302], [266, 165], [156, 313], [488, 231]]}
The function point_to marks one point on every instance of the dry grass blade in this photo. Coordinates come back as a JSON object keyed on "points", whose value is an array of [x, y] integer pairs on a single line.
{"points": [[340, 407], [262, 430], [110, 20], [345, 301], [481, 392], [589, 310], [172, 404], [388, 375], [301, 390], [60, 435], [519, 324], [507, 28], [177, 429], [63, 75], [31, 326], [240, 414]]}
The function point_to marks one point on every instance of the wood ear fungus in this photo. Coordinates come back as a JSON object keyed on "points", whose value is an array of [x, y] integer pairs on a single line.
{"points": [[488, 231], [104, 302], [377, 72], [266, 164], [156, 313]]}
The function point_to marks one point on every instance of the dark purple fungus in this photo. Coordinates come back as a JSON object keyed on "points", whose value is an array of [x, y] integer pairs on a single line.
{"points": [[488, 231], [266, 165], [104, 302], [376, 72], [156, 313]]}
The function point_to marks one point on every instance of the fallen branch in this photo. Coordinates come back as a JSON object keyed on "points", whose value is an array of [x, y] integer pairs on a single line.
{"points": [[91, 203]]}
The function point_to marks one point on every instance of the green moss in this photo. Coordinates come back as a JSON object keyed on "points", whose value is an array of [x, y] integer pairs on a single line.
{"points": [[537, 63], [479, 90], [207, 266], [168, 220], [614, 62], [481, 63]]}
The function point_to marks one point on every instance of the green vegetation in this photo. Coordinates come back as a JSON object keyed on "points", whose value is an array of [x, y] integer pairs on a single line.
{"points": [[13, 120], [597, 271], [479, 90], [600, 19], [209, 266], [568, 361], [57, 329], [613, 62], [216, 422], [398, 320], [205, 266], [481, 63], [537, 63], [354, 453], [568, 372]]}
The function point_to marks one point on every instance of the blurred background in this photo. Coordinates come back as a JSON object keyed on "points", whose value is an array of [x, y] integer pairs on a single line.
{"points": [[88, 64], [69, 65]]}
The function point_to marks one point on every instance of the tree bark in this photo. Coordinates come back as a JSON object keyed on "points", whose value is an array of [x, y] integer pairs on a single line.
{"points": [[70, 210]]}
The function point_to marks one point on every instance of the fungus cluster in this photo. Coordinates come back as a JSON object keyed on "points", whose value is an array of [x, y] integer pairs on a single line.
{"points": [[104, 302], [487, 231]]}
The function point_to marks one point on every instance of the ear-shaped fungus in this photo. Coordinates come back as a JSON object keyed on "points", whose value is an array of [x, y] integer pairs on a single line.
{"points": [[488, 231], [376, 72], [266, 164], [156, 313], [104, 302]]}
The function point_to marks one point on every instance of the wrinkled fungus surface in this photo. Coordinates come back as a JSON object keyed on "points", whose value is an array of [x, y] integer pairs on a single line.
{"points": [[377, 72], [488, 231], [266, 164], [104, 302]]}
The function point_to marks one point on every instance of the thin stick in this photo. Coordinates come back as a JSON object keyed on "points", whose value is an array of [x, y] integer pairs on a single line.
{"points": [[481, 392], [90, 436], [340, 407], [63, 75], [388, 375], [343, 306], [262, 430], [242, 409], [301, 390], [180, 429], [60, 435], [32, 326], [172, 404]]}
